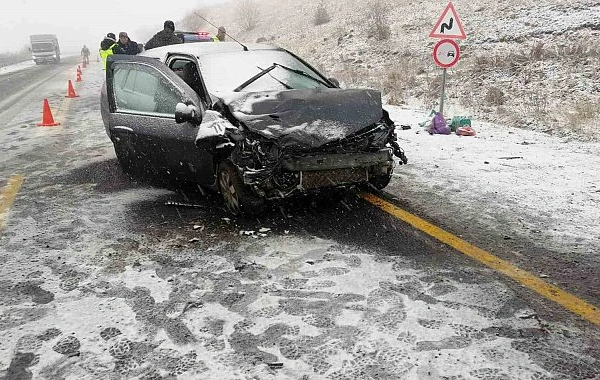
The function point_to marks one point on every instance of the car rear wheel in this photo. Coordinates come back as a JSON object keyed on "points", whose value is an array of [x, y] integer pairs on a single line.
{"points": [[239, 199]]}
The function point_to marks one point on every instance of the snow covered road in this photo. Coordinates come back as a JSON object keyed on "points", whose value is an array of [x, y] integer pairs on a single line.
{"points": [[104, 278]]}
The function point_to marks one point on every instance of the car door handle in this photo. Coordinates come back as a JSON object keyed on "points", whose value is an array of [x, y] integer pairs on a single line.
{"points": [[119, 127]]}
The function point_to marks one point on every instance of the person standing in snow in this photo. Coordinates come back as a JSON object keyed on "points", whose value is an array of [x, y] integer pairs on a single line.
{"points": [[85, 53], [125, 45], [106, 48], [165, 37], [220, 35]]}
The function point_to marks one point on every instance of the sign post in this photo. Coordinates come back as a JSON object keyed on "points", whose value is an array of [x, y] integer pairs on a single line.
{"points": [[443, 95], [446, 52]]}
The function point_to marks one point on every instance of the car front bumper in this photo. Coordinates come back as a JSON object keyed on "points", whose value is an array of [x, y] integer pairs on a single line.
{"points": [[302, 174]]}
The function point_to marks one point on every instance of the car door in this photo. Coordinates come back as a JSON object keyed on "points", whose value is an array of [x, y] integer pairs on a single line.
{"points": [[143, 95], [196, 163]]}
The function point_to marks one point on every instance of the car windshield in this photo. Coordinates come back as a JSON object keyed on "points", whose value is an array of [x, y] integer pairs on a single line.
{"points": [[224, 72]]}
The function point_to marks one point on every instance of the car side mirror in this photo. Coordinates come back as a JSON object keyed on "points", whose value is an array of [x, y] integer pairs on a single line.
{"points": [[188, 113], [334, 81]]}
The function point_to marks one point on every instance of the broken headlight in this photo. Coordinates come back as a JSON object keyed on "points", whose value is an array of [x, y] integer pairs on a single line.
{"points": [[258, 154]]}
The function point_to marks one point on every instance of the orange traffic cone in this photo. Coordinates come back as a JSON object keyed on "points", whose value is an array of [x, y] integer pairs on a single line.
{"points": [[78, 69], [47, 119], [78, 77], [71, 93]]}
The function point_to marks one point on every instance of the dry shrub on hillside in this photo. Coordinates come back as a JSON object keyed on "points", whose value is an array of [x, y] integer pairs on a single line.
{"points": [[582, 49], [583, 112], [484, 64], [398, 79], [576, 49], [353, 76], [534, 104], [377, 17], [321, 15], [494, 96], [537, 52], [433, 91], [247, 14]]}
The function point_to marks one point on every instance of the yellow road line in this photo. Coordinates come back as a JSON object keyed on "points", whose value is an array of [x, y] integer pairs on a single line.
{"points": [[8, 195], [576, 305]]}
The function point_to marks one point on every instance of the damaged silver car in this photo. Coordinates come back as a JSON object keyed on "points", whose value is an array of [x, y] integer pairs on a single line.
{"points": [[254, 122]]}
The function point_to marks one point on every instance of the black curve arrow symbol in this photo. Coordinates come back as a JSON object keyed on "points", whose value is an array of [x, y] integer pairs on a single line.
{"points": [[447, 26]]}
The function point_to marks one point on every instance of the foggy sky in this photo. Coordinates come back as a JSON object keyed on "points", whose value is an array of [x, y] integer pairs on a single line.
{"points": [[79, 22]]}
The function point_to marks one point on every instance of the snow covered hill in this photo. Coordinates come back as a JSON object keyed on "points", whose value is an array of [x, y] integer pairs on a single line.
{"points": [[529, 64]]}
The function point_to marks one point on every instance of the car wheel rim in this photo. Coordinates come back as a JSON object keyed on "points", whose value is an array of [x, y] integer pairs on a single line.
{"points": [[229, 193]]}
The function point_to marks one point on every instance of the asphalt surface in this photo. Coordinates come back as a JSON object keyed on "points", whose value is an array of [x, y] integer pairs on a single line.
{"points": [[105, 277]]}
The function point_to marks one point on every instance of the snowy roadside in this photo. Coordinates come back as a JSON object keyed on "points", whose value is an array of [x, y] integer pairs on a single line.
{"points": [[23, 65], [523, 184], [16, 67]]}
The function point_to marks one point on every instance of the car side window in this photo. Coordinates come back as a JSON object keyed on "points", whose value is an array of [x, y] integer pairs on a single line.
{"points": [[142, 89], [188, 71]]}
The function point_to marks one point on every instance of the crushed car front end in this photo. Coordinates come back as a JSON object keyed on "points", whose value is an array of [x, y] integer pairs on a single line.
{"points": [[298, 174], [291, 142]]}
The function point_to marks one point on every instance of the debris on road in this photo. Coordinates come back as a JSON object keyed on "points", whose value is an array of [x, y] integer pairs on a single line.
{"points": [[180, 204]]}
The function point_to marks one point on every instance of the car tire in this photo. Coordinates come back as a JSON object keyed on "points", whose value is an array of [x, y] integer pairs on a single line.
{"points": [[380, 181], [125, 160], [238, 198]]}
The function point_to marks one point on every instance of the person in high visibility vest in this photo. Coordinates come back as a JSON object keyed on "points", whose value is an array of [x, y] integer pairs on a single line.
{"points": [[106, 48], [220, 35]]}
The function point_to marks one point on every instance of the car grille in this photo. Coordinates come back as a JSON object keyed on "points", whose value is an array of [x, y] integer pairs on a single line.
{"points": [[328, 162], [325, 178]]}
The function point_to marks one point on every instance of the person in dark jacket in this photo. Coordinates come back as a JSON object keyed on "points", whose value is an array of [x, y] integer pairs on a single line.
{"points": [[108, 41], [125, 45], [165, 37]]}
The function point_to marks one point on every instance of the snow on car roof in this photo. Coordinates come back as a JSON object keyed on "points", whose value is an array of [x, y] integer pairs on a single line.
{"points": [[202, 49]]}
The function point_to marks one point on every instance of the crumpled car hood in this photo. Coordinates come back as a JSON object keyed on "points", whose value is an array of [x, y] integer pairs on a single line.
{"points": [[306, 118]]}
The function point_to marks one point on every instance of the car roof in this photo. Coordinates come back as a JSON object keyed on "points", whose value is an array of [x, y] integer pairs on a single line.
{"points": [[205, 48]]}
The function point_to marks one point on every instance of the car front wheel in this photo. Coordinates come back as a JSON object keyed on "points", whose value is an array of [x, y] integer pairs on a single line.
{"points": [[239, 199], [380, 181]]}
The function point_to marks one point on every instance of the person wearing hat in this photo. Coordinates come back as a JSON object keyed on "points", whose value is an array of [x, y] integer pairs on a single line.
{"points": [[165, 37], [106, 48], [221, 33], [125, 45]]}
